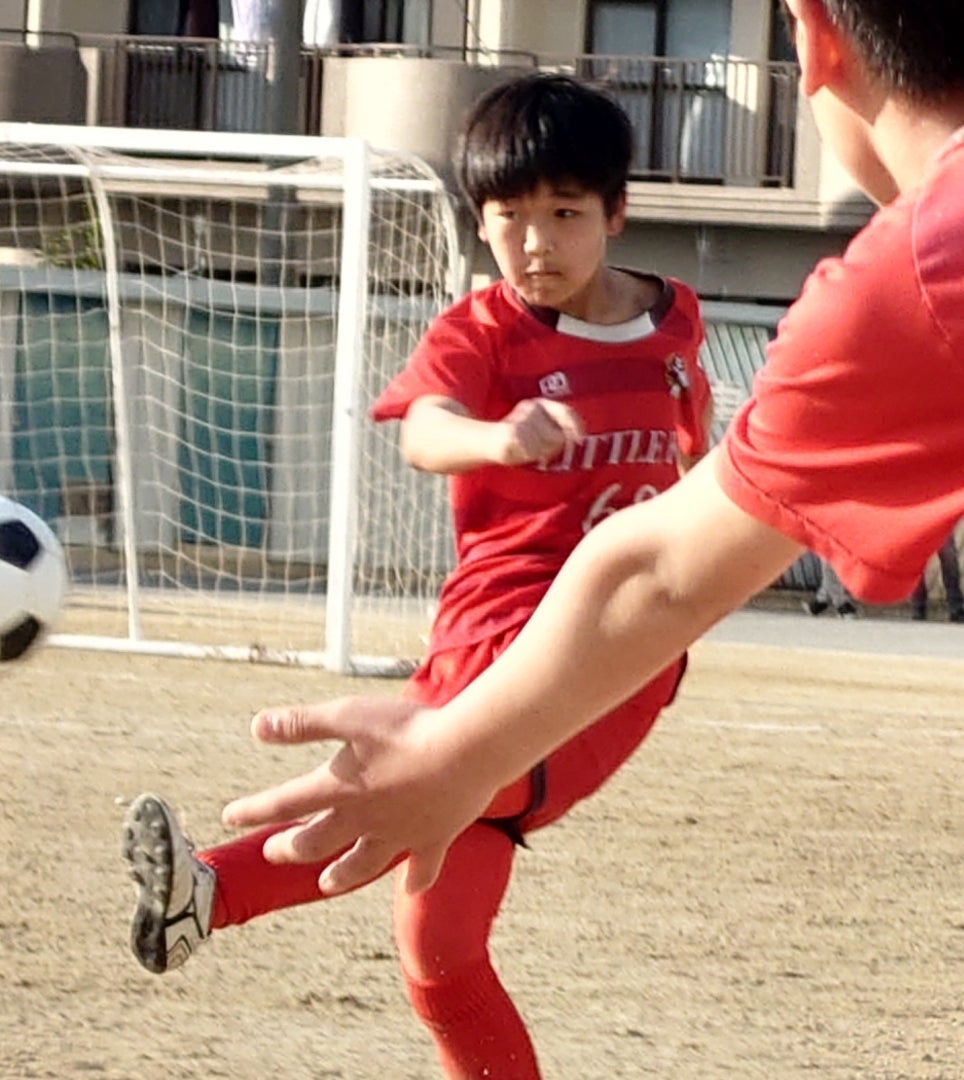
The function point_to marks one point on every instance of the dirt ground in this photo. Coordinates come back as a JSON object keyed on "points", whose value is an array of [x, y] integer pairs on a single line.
{"points": [[773, 888]]}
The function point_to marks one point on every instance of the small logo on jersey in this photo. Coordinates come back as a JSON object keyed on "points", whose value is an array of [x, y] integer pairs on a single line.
{"points": [[555, 385], [676, 377]]}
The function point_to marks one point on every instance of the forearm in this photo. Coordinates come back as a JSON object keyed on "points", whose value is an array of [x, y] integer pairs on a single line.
{"points": [[439, 437], [408, 780], [639, 589]]}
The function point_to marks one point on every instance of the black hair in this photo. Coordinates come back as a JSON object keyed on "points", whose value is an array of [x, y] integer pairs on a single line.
{"points": [[913, 46], [544, 128]]}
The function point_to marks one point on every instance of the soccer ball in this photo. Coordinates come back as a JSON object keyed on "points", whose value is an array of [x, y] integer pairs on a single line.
{"points": [[33, 580]]}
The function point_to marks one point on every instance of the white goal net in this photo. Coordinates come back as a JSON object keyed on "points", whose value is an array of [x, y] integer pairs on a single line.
{"points": [[192, 329]]}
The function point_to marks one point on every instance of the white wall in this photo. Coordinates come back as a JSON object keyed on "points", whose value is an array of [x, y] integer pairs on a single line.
{"points": [[549, 27], [750, 29], [558, 27], [11, 14], [75, 16]]}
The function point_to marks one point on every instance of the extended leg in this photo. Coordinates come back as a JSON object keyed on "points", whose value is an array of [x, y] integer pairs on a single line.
{"points": [[183, 895], [442, 938]]}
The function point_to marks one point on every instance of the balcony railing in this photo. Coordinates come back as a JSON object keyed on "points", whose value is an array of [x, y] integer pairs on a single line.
{"points": [[204, 85], [708, 121]]}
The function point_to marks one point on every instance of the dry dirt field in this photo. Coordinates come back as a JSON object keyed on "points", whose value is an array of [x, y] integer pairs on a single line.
{"points": [[773, 888]]}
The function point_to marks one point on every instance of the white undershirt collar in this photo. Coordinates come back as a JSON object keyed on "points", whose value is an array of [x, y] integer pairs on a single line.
{"points": [[638, 327]]}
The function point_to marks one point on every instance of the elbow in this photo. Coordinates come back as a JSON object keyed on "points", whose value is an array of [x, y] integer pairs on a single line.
{"points": [[414, 459], [411, 452]]}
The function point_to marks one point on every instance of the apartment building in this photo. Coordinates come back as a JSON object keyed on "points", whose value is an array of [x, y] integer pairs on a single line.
{"points": [[731, 189]]}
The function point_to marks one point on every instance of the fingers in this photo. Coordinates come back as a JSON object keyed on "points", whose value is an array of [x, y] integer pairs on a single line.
{"points": [[423, 868], [562, 429], [366, 860], [356, 863], [363, 725], [541, 428], [565, 418], [295, 798], [293, 724], [312, 841], [377, 798]]}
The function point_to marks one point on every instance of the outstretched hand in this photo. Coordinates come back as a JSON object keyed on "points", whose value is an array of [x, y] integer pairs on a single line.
{"points": [[391, 790]]}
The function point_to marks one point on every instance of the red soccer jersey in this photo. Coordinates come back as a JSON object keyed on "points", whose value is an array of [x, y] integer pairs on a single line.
{"points": [[640, 392], [853, 441]]}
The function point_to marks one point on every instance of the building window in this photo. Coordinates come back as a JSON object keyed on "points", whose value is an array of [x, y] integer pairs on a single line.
{"points": [[664, 60], [620, 27], [187, 18], [395, 21], [325, 21], [691, 29]]}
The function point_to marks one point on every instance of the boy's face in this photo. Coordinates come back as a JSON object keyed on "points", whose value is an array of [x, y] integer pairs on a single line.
{"points": [[550, 244]]}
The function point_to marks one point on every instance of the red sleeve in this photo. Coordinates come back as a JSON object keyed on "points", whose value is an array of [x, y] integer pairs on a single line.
{"points": [[852, 443], [691, 431], [454, 359]]}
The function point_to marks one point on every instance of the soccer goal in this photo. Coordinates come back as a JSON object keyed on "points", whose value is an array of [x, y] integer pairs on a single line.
{"points": [[192, 329]]}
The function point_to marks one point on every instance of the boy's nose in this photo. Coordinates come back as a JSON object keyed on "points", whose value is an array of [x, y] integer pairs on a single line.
{"points": [[537, 241]]}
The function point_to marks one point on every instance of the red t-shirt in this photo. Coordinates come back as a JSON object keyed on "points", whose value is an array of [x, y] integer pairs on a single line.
{"points": [[640, 392], [853, 441]]}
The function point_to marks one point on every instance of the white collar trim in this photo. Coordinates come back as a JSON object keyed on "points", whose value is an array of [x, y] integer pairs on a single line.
{"points": [[639, 327]]}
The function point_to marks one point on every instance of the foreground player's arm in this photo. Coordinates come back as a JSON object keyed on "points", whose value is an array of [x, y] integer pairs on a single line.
{"points": [[440, 435], [638, 590]]}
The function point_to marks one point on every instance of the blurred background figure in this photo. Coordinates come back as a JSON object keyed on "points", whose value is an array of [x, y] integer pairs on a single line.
{"points": [[949, 563], [831, 593]]}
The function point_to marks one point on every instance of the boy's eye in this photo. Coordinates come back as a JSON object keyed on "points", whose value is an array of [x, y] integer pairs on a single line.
{"points": [[566, 212]]}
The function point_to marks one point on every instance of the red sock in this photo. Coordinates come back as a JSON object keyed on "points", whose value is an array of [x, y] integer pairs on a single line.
{"points": [[248, 885], [442, 936], [477, 1031]]}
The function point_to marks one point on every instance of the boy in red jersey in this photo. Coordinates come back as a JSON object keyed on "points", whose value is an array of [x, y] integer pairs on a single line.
{"points": [[553, 398], [852, 445]]}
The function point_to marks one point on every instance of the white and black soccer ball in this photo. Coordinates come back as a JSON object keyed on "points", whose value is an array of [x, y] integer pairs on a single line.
{"points": [[33, 580]]}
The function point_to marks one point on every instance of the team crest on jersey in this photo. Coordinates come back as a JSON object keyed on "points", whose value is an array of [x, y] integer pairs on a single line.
{"points": [[555, 385], [676, 376]]}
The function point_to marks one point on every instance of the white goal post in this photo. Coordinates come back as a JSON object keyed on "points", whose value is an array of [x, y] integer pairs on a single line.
{"points": [[192, 329]]}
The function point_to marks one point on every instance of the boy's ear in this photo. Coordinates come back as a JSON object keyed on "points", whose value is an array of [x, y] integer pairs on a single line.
{"points": [[481, 233], [822, 51], [617, 219]]}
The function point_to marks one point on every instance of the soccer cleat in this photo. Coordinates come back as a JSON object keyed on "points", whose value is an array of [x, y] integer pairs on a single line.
{"points": [[847, 610], [175, 889]]}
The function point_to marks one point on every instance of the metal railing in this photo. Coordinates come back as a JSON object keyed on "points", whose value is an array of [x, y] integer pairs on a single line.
{"points": [[710, 121], [205, 85], [714, 121], [183, 83]]}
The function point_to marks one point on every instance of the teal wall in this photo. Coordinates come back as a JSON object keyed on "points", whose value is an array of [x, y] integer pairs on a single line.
{"points": [[64, 425], [231, 364], [62, 399]]}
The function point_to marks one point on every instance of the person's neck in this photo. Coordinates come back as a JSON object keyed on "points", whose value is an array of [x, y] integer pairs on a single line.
{"points": [[908, 136]]}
